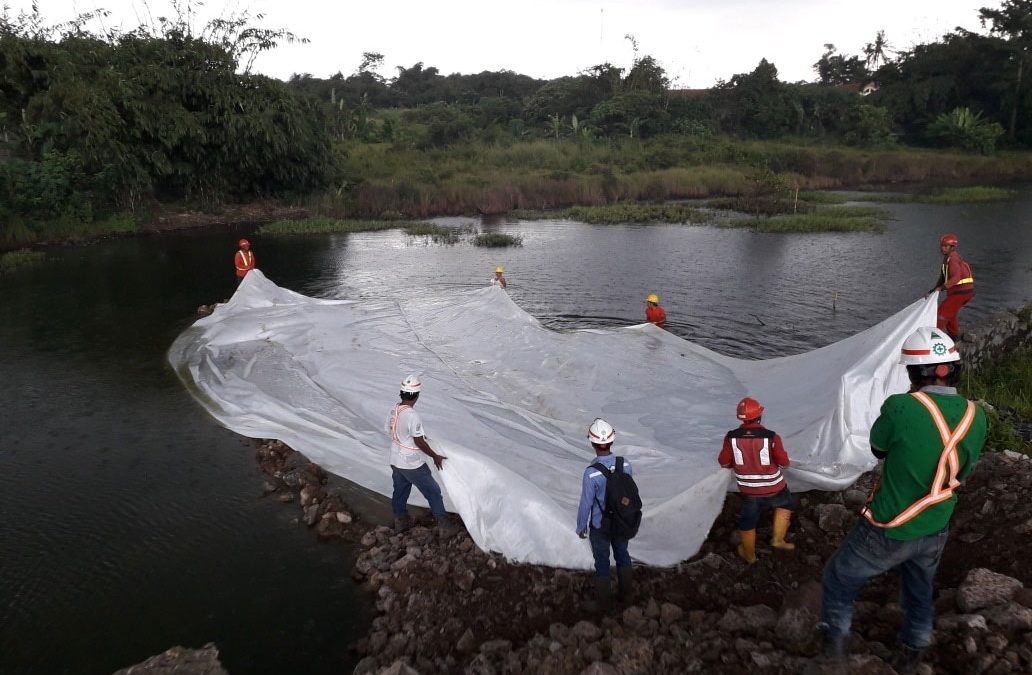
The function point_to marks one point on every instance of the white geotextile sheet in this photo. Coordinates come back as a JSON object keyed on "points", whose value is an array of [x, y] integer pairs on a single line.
{"points": [[509, 402]]}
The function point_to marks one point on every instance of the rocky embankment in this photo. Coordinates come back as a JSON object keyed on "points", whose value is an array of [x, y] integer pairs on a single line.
{"points": [[447, 607]]}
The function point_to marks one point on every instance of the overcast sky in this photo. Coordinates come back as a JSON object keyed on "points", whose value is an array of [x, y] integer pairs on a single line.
{"points": [[697, 41]]}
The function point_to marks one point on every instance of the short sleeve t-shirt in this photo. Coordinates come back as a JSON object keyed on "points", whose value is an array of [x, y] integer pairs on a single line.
{"points": [[403, 426]]}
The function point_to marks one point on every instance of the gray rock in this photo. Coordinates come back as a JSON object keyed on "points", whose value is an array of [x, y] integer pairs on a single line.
{"points": [[586, 630], [492, 647], [652, 609], [669, 613], [796, 624], [180, 661], [366, 666], [467, 642], [966, 621], [1011, 616], [399, 667], [600, 668], [983, 588], [854, 499], [833, 517], [748, 620]]}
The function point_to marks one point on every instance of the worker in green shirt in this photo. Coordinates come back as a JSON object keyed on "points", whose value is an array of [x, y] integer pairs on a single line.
{"points": [[929, 439]]}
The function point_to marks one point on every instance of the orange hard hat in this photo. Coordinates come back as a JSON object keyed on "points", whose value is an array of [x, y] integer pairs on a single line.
{"points": [[948, 240], [243, 243], [749, 409]]}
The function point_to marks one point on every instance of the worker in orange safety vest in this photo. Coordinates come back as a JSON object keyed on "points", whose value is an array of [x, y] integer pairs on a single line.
{"points": [[244, 259], [956, 279]]}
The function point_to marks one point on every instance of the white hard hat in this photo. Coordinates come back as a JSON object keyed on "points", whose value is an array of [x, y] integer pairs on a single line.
{"points": [[928, 345], [411, 384], [601, 431]]}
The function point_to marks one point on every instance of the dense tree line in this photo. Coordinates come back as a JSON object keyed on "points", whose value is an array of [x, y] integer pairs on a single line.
{"points": [[93, 122], [98, 121]]}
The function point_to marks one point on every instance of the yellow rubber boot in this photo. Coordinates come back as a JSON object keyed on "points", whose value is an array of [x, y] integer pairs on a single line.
{"points": [[747, 549], [781, 519]]}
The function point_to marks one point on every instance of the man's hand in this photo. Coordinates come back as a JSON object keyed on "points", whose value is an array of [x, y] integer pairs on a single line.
{"points": [[439, 461], [583, 534]]}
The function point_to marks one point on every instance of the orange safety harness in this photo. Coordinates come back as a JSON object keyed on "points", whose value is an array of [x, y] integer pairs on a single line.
{"points": [[247, 258], [395, 414], [945, 481]]}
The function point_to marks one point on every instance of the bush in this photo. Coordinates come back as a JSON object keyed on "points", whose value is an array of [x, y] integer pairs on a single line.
{"points": [[961, 128], [497, 239], [873, 128]]}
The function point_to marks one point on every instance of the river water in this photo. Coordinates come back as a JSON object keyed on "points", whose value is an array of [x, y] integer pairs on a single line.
{"points": [[130, 521]]}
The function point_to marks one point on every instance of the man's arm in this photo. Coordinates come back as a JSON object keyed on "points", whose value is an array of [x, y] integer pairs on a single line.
{"points": [[425, 447], [724, 458], [882, 430], [780, 455], [587, 496]]}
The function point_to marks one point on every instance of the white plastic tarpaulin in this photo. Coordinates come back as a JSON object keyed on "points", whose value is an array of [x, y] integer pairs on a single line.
{"points": [[509, 402]]}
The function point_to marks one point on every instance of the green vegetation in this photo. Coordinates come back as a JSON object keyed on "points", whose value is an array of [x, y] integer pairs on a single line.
{"points": [[95, 122], [953, 195], [497, 239], [822, 197], [15, 260], [826, 219], [636, 213], [326, 226], [439, 234], [1006, 384]]}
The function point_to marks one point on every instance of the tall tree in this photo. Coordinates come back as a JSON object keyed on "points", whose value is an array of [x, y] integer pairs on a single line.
{"points": [[834, 68], [1012, 23], [877, 53]]}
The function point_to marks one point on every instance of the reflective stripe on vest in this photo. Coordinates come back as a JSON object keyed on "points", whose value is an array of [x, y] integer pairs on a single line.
{"points": [[946, 278], [755, 479], [247, 258], [945, 481], [395, 414]]}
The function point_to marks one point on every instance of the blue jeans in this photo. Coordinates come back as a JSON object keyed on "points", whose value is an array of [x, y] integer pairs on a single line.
{"points": [[424, 481], [600, 545], [753, 507], [867, 552]]}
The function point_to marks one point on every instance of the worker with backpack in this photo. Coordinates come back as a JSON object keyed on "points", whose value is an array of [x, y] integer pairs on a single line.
{"points": [[609, 514]]}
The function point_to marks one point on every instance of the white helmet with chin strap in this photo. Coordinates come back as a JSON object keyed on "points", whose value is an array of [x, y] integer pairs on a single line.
{"points": [[928, 346], [601, 432], [411, 384]]}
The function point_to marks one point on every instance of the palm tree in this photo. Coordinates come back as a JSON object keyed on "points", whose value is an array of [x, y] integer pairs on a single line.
{"points": [[877, 53]]}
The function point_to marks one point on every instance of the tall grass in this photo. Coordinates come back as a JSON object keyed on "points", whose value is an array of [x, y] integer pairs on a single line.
{"points": [[636, 213], [480, 177], [1006, 384]]}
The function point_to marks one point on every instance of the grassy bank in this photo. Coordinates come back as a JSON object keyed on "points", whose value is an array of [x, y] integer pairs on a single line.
{"points": [[496, 178], [17, 232], [1005, 383], [439, 234]]}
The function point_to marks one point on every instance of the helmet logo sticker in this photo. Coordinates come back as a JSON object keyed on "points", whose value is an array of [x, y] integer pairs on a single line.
{"points": [[939, 348]]}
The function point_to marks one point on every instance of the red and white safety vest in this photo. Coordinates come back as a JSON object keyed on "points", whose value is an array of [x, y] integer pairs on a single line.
{"points": [[756, 455]]}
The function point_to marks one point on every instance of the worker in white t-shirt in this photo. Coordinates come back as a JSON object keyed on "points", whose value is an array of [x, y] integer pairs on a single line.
{"points": [[409, 450]]}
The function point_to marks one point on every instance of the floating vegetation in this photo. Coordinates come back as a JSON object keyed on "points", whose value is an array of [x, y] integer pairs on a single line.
{"points": [[636, 213], [497, 239], [827, 219], [326, 226], [20, 259]]}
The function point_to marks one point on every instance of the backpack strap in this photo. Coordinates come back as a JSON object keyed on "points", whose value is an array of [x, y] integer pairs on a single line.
{"points": [[605, 472], [619, 464]]}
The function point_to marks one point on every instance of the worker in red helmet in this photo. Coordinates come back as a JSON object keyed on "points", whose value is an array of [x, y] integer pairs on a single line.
{"points": [[956, 279], [244, 259], [757, 455]]}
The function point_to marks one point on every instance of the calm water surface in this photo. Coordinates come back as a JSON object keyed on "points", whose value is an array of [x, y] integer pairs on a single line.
{"points": [[130, 521]]}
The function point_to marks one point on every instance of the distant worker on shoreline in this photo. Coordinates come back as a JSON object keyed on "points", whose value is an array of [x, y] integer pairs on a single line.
{"points": [[608, 515], [756, 455], [244, 259], [653, 312], [956, 279], [930, 440], [499, 277], [408, 453]]}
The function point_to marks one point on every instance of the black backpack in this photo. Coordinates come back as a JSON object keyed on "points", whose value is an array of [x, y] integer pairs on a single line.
{"points": [[621, 514]]}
